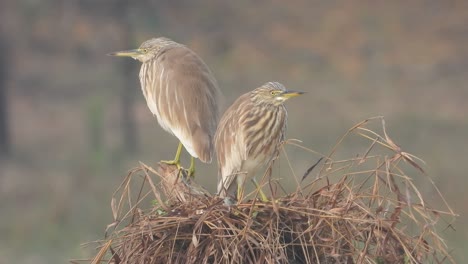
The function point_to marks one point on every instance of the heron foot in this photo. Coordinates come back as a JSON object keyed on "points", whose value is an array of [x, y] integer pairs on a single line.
{"points": [[172, 162], [176, 160], [191, 170]]}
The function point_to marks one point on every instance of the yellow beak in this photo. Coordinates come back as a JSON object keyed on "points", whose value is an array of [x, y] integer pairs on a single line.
{"points": [[126, 53], [290, 94]]}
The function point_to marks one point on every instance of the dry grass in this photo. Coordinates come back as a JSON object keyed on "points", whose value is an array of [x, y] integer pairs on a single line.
{"points": [[361, 210]]}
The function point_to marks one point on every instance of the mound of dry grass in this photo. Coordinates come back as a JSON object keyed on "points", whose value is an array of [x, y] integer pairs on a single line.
{"points": [[360, 210]]}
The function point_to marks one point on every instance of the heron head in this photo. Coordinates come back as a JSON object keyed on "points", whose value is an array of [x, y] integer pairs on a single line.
{"points": [[147, 50], [274, 93]]}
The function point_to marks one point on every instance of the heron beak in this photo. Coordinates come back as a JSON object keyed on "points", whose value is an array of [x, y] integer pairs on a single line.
{"points": [[290, 94], [126, 53]]}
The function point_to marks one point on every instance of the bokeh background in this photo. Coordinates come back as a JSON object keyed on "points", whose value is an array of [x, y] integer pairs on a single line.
{"points": [[73, 121]]}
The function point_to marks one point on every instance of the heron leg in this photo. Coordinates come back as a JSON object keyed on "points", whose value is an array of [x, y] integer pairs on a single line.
{"points": [[176, 160], [191, 170], [263, 197], [240, 192], [240, 179]]}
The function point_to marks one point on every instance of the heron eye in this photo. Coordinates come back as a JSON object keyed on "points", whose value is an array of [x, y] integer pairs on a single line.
{"points": [[273, 92], [145, 50]]}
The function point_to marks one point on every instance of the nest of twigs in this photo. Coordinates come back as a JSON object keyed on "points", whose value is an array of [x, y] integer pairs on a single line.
{"points": [[360, 210]]}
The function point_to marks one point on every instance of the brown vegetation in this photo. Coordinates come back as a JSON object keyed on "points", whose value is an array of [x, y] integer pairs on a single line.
{"points": [[365, 209]]}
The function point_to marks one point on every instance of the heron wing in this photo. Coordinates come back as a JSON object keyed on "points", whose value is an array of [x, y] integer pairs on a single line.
{"points": [[189, 99], [230, 143]]}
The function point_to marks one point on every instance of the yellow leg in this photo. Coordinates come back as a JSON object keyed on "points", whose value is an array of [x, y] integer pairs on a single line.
{"points": [[263, 197], [191, 170], [176, 160], [240, 192]]}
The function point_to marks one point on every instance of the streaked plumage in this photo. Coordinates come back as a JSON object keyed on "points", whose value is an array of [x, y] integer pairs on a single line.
{"points": [[181, 92], [249, 134]]}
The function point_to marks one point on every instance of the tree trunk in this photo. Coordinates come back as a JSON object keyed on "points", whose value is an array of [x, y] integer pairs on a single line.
{"points": [[130, 80], [4, 120]]}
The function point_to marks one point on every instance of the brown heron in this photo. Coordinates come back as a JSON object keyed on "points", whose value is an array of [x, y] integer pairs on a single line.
{"points": [[181, 92], [249, 135]]}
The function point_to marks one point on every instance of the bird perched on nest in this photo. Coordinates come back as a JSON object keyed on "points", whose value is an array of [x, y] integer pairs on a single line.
{"points": [[181, 92], [249, 135]]}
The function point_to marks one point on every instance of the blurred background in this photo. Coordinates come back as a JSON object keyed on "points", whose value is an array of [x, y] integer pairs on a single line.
{"points": [[73, 121]]}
